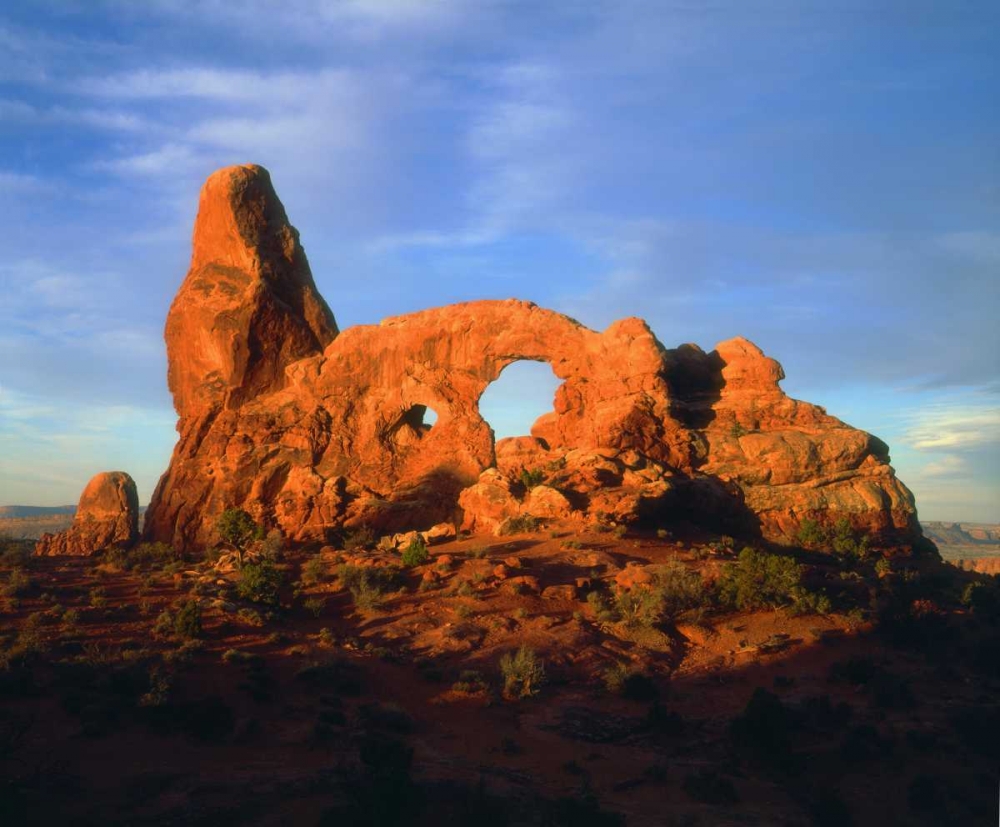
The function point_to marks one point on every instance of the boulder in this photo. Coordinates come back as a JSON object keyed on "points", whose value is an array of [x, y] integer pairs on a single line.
{"points": [[546, 502], [559, 593], [488, 503], [107, 515], [633, 576]]}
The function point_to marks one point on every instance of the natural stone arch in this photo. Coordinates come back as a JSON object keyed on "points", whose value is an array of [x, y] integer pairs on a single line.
{"points": [[311, 429]]}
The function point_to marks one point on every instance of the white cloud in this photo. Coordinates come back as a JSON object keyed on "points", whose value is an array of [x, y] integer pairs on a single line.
{"points": [[953, 426], [169, 159]]}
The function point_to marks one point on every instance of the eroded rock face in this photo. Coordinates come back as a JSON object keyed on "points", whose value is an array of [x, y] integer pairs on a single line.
{"points": [[789, 460], [108, 515], [311, 430]]}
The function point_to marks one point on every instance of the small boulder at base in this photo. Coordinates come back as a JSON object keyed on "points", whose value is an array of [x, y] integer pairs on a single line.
{"points": [[108, 515]]}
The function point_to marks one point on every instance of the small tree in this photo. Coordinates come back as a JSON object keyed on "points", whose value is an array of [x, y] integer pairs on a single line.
{"points": [[238, 528]]}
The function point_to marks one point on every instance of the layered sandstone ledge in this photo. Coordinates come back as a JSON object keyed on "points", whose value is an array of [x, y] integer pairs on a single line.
{"points": [[311, 429]]}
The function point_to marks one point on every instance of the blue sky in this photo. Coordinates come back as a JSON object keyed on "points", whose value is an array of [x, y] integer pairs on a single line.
{"points": [[822, 178]]}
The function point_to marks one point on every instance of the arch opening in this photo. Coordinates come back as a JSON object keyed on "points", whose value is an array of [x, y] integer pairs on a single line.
{"points": [[513, 402], [412, 425]]}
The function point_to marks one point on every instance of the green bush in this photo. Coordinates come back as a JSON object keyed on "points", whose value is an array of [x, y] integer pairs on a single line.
{"points": [[758, 580], [680, 589], [314, 605], [630, 683], [639, 607], [368, 585], [18, 583], [523, 673], [846, 541], [531, 479], [260, 583], [312, 572], [415, 554], [811, 534], [187, 621]]}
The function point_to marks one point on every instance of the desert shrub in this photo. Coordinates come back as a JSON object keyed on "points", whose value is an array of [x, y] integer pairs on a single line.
{"points": [[479, 552], [152, 555], [629, 683], [521, 524], [15, 553], [847, 542], [271, 546], [312, 572], [805, 601], [368, 585], [98, 597], [523, 673], [18, 583], [638, 607], [249, 617], [532, 478], [164, 624], [982, 599], [260, 583], [601, 607], [70, 618], [326, 637], [680, 589], [116, 557], [187, 621], [183, 622], [470, 682], [811, 534], [759, 580], [158, 692], [359, 539], [314, 605], [415, 554], [738, 430], [238, 528]]}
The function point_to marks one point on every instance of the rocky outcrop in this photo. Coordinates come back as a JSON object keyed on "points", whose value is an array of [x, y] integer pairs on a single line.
{"points": [[108, 515], [788, 460], [311, 430]]}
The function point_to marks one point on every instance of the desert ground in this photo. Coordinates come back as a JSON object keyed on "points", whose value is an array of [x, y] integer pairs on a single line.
{"points": [[353, 685]]}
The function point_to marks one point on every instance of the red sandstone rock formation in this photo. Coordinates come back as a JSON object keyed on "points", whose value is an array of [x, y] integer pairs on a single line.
{"points": [[310, 430], [108, 515]]}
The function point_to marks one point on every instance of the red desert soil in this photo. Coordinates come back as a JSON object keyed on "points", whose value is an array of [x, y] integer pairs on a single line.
{"points": [[278, 744]]}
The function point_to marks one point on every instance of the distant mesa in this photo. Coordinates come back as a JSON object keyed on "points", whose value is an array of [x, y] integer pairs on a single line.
{"points": [[312, 429], [108, 515]]}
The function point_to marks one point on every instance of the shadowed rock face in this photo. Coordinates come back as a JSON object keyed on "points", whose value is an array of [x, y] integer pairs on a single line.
{"points": [[310, 430], [108, 515]]}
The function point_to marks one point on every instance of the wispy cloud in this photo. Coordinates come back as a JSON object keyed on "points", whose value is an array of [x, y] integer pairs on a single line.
{"points": [[953, 426]]}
